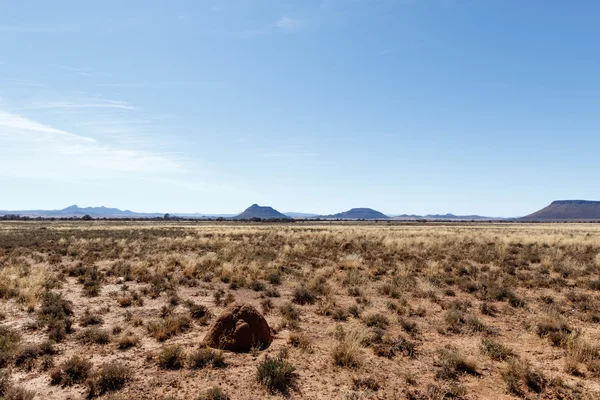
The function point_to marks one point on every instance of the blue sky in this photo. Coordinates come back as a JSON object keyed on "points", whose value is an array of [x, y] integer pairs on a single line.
{"points": [[405, 106]]}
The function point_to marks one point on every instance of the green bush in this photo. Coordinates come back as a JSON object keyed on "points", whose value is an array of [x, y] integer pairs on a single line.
{"points": [[171, 357], [277, 374], [110, 377], [74, 370]]}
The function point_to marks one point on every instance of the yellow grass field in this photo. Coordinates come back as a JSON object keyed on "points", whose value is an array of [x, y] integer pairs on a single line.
{"points": [[118, 310]]}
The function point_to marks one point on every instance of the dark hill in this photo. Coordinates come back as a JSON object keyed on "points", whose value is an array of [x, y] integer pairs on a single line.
{"points": [[358, 213], [562, 210], [256, 211]]}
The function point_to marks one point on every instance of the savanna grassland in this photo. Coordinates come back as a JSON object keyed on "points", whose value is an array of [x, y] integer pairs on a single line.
{"points": [[360, 310]]}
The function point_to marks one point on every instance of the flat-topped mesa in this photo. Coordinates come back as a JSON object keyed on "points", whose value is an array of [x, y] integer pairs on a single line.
{"points": [[567, 210], [560, 202]]}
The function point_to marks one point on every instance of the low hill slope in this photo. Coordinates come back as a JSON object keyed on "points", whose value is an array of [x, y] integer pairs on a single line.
{"points": [[562, 210], [359, 213], [256, 211]]}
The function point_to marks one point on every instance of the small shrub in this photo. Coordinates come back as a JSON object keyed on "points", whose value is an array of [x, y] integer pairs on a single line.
{"points": [[474, 324], [110, 377], [125, 300], [339, 314], [218, 296], [205, 356], [347, 354], [213, 393], [266, 305], [230, 298], [272, 292], [127, 342], [518, 374], [299, 340], [9, 341], [409, 326], [93, 336], [572, 367], [74, 370], [274, 278], [303, 295], [10, 392], [88, 318], [552, 323], [171, 357], [257, 286], [377, 320], [91, 282], [495, 350], [452, 364], [55, 313], [18, 393], [26, 355], [169, 327], [199, 312], [389, 347], [368, 383], [488, 309], [354, 310], [277, 374], [288, 311], [516, 301]]}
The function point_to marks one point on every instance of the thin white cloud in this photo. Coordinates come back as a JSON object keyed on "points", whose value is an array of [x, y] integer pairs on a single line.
{"points": [[20, 82], [35, 150], [14, 121], [78, 71], [72, 105], [283, 24], [157, 84], [288, 24]]}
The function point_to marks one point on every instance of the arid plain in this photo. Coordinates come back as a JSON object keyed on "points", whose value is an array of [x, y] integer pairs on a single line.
{"points": [[358, 310]]}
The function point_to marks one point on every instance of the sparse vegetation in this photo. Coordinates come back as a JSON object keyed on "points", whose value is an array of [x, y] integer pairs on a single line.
{"points": [[426, 305], [73, 371], [110, 377], [204, 357], [9, 391], [452, 364], [497, 351], [277, 374], [171, 357], [93, 336], [213, 393], [168, 327], [9, 341]]}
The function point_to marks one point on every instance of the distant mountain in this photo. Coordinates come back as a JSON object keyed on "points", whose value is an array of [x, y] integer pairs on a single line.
{"points": [[558, 211], [406, 216], [300, 215], [256, 211], [452, 216], [402, 217], [358, 213], [564, 210], [202, 216], [76, 211]]}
